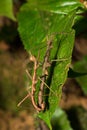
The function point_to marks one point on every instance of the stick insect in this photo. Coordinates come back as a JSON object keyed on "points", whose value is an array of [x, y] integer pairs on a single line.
{"points": [[34, 82], [45, 66]]}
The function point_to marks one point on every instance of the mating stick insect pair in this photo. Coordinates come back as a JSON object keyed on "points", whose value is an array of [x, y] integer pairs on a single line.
{"points": [[40, 104]]}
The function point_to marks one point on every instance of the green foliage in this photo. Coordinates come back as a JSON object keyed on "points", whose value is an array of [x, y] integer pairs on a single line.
{"points": [[39, 21], [83, 121], [75, 74], [40, 16], [6, 9], [59, 120], [80, 25], [81, 66], [60, 69]]}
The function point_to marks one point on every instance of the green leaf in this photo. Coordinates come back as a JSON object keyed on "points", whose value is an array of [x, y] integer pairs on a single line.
{"points": [[36, 17], [81, 67], [6, 9], [63, 52], [60, 121], [31, 29], [34, 28], [59, 7], [74, 74]]}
